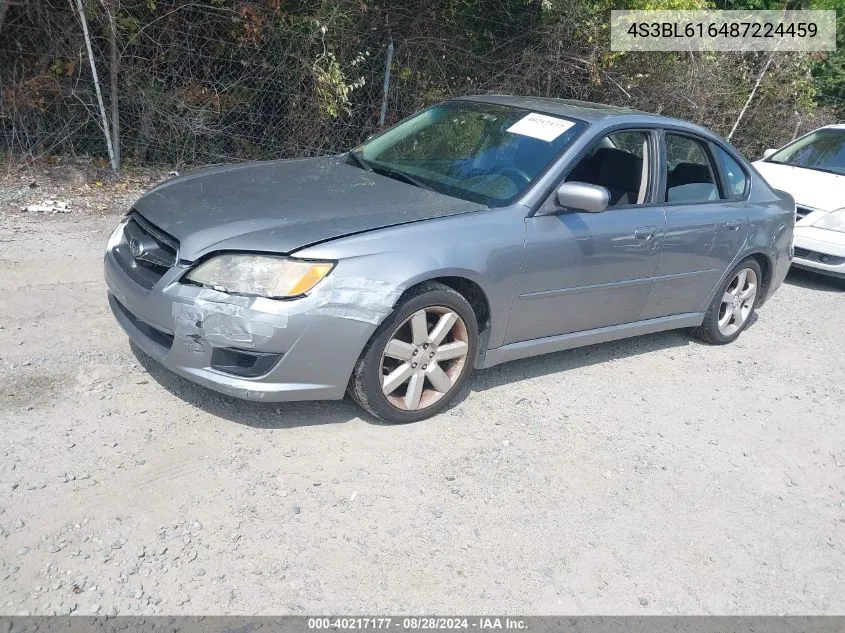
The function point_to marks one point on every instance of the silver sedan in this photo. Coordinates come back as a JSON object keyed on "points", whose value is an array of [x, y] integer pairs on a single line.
{"points": [[478, 231]]}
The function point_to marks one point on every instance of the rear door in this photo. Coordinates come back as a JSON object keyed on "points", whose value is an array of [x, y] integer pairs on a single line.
{"points": [[705, 190]]}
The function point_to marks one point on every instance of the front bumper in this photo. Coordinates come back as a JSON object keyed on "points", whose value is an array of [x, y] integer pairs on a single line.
{"points": [[820, 250], [311, 349]]}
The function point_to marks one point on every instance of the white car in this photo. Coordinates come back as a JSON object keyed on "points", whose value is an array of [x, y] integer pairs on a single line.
{"points": [[812, 169]]}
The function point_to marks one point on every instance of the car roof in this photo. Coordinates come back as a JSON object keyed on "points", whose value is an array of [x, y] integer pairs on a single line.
{"points": [[597, 114], [585, 110]]}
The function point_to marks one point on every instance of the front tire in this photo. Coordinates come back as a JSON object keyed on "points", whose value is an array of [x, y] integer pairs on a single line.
{"points": [[732, 306], [419, 357]]}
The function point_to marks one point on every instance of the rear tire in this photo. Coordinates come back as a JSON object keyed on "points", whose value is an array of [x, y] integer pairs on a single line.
{"points": [[733, 304], [419, 357]]}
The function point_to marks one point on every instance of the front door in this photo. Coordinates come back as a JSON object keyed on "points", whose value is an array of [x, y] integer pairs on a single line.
{"points": [[582, 271]]}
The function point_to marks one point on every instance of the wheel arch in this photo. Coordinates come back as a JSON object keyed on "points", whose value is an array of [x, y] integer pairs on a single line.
{"points": [[469, 286], [767, 268]]}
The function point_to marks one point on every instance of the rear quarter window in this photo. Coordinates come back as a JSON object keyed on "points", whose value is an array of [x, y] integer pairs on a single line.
{"points": [[736, 180]]}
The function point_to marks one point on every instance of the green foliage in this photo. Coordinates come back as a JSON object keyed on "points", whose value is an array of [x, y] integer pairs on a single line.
{"points": [[129, 25], [826, 82], [670, 5], [332, 87], [213, 80], [829, 73]]}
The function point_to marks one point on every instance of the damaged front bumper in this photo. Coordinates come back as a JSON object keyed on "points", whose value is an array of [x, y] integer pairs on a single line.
{"points": [[251, 347]]}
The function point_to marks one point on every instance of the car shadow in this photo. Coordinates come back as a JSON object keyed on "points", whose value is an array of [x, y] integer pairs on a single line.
{"points": [[261, 415], [575, 359], [285, 415], [814, 281]]}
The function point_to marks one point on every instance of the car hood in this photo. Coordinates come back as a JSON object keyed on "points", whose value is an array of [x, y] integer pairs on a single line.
{"points": [[282, 206], [810, 187]]}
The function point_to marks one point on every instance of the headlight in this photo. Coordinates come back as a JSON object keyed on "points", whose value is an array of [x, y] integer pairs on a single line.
{"points": [[116, 235], [261, 275], [833, 221]]}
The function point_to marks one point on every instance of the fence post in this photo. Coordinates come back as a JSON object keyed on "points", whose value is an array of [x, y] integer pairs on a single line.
{"points": [[387, 64], [115, 106], [84, 21]]}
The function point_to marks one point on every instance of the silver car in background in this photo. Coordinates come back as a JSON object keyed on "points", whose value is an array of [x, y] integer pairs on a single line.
{"points": [[479, 231]]}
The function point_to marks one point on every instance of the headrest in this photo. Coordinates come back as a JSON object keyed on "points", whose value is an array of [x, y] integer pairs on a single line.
{"points": [[617, 168], [687, 173]]}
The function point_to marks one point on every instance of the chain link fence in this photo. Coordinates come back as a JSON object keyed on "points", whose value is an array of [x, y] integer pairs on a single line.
{"points": [[210, 81]]}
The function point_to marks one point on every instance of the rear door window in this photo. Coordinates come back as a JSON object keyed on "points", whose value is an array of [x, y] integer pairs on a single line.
{"points": [[690, 173]]}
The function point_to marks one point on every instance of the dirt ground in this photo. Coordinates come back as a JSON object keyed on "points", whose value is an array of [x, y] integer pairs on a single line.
{"points": [[654, 475]]}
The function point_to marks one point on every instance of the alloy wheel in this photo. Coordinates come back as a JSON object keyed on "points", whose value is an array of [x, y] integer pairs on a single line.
{"points": [[738, 301], [424, 358]]}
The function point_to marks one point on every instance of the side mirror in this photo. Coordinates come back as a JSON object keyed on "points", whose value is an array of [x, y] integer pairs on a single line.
{"points": [[768, 152], [581, 196]]}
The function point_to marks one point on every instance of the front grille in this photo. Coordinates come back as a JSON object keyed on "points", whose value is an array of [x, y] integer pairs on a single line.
{"points": [[802, 252], [802, 212], [155, 252]]}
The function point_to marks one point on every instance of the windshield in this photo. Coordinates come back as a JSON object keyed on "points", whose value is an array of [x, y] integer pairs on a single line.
{"points": [[480, 152], [823, 150]]}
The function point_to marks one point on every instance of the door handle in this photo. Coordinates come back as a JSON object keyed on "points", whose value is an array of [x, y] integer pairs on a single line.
{"points": [[733, 225], [645, 232]]}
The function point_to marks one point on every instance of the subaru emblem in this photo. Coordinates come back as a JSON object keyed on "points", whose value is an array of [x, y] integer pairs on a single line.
{"points": [[136, 247]]}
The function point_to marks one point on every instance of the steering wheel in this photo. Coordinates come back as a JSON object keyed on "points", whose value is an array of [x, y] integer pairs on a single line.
{"points": [[517, 175]]}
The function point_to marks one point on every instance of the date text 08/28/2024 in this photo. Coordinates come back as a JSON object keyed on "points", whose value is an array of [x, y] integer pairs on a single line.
{"points": [[419, 623]]}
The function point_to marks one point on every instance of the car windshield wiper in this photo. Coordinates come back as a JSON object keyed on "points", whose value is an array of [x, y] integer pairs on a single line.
{"points": [[824, 169], [401, 175], [359, 161], [387, 171]]}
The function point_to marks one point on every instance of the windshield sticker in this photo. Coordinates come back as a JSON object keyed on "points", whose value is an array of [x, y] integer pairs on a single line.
{"points": [[541, 126]]}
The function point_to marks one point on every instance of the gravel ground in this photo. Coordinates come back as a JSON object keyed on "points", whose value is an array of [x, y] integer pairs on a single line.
{"points": [[654, 475]]}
